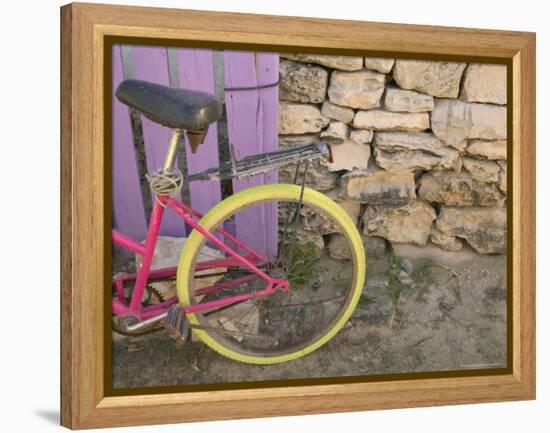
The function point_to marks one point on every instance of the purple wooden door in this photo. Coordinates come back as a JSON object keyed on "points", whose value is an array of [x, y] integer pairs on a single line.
{"points": [[252, 128], [128, 213], [196, 72], [151, 64]]}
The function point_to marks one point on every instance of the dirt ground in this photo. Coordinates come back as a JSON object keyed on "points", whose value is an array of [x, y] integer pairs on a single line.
{"points": [[422, 310]]}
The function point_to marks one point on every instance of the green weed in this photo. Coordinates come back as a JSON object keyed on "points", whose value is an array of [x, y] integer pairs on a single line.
{"points": [[299, 261], [394, 287]]}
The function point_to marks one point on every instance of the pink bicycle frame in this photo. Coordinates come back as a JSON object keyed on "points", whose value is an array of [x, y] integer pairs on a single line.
{"points": [[133, 307]]}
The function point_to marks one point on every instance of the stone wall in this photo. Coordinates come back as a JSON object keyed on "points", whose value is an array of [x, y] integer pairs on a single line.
{"points": [[419, 146]]}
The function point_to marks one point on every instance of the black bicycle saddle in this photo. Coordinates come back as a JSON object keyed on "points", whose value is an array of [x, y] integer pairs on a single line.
{"points": [[175, 108]]}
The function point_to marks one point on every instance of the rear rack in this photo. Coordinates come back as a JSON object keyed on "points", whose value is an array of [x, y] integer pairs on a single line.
{"points": [[258, 164]]}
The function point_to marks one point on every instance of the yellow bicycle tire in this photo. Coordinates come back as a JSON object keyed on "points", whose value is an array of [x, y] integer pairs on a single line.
{"points": [[244, 198]]}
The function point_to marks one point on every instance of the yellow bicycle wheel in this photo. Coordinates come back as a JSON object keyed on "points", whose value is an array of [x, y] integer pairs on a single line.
{"points": [[311, 242]]}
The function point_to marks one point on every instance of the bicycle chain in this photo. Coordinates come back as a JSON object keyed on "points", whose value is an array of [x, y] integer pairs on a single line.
{"points": [[156, 292]]}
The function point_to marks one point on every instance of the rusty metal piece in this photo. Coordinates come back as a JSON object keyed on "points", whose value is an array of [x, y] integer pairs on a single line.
{"points": [[196, 138], [176, 324]]}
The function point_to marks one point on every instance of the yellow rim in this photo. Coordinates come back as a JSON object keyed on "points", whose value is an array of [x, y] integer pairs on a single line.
{"points": [[244, 198]]}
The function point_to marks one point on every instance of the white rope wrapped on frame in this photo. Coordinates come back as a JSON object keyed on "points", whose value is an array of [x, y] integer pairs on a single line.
{"points": [[165, 183]]}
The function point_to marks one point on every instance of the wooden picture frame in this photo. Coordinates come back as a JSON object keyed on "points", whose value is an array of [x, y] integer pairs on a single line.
{"points": [[84, 229]]}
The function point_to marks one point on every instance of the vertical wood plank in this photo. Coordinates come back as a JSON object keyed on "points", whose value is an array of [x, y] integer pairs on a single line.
{"points": [[151, 64], [128, 212], [246, 113], [196, 73], [267, 65]]}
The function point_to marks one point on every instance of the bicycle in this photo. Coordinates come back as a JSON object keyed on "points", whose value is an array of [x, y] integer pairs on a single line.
{"points": [[259, 307]]}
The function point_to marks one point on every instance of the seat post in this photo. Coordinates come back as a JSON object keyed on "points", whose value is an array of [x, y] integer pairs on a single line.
{"points": [[172, 148]]}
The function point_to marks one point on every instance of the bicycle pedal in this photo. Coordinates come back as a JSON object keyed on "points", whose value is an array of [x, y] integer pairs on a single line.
{"points": [[176, 324]]}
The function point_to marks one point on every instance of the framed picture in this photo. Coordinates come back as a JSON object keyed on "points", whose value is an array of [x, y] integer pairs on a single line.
{"points": [[266, 215]]}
